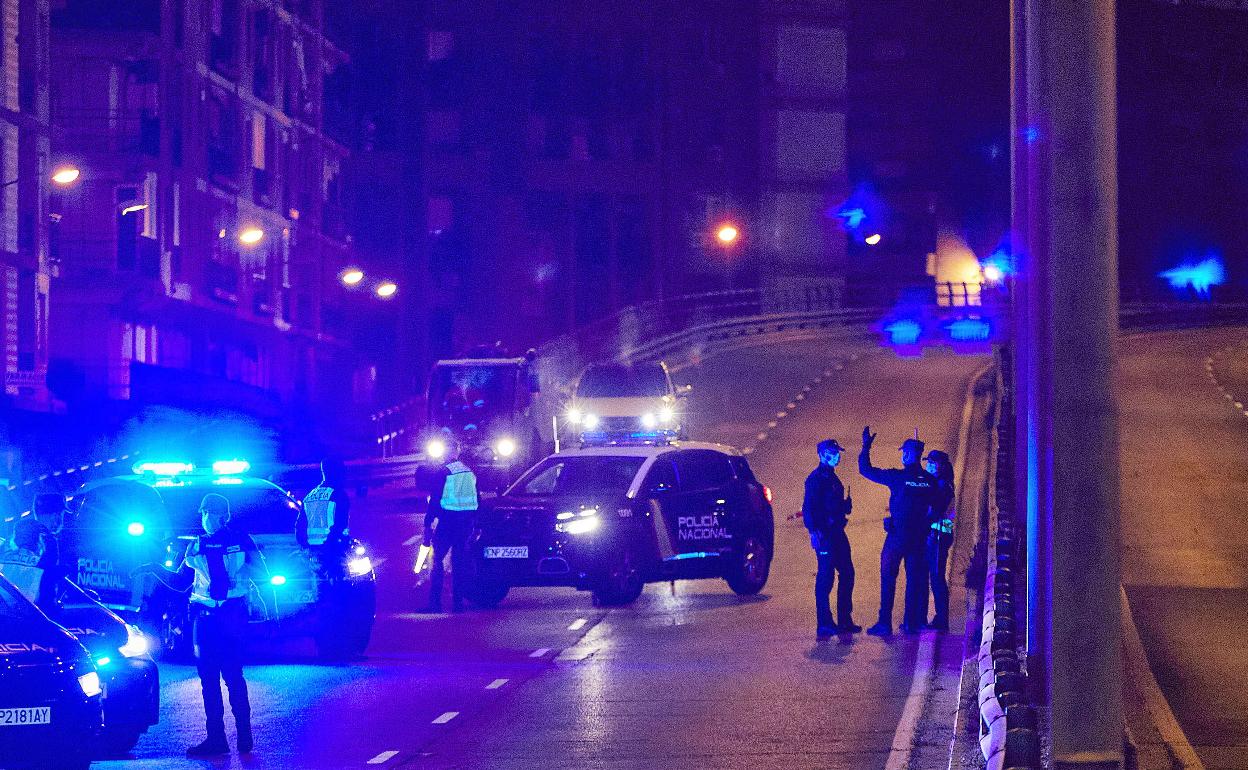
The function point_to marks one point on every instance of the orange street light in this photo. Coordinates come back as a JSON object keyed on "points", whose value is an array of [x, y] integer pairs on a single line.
{"points": [[727, 234], [386, 289], [250, 235], [351, 276], [65, 176], [873, 239]]}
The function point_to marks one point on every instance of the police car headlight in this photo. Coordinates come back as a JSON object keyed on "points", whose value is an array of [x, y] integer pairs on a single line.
{"points": [[579, 526], [574, 416], [666, 415], [649, 421], [435, 448], [359, 566], [505, 447], [90, 684], [591, 421], [136, 643]]}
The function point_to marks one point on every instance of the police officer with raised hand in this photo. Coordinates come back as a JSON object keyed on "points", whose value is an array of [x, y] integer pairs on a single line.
{"points": [[325, 519], [218, 567], [825, 508], [448, 524], [44, 525], [940, 535], [911, 493]]}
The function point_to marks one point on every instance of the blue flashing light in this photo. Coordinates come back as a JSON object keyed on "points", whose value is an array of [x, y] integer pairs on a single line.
{"points": [[163, 468], [104, 661], [853, 217], [135, 529], [230, 467], [1031, 134], [692, 555], [904, 332], [970, 330], [1199, 276], [227, 481], [278, 580]]}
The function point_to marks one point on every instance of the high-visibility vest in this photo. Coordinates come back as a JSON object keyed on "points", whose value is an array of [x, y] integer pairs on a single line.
{"points": [[460, 491], [320, 512], [219, 561], [21, 567]]}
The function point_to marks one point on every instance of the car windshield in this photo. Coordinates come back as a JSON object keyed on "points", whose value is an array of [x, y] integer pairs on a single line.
{"points": [[619, 381], [254, 510], [579, 476], [470, 398]]}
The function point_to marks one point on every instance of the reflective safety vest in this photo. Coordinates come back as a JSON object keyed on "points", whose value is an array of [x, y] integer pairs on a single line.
{"points": [[320, 512], [21, 567], [219, 562], [460, 491]]}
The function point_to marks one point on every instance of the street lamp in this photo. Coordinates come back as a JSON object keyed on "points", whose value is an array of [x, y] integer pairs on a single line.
{"points": [[993, 273], [386, 289], [250, 235], [727, 234], [351, 276], [873, 239], [64, 176]]}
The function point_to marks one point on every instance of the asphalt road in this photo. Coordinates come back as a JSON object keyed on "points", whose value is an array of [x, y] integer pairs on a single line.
{"points": [[1185, 556], [689, 676]]}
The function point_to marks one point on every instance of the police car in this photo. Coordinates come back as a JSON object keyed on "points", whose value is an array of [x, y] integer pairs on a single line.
{"points": [[50, 691], [613, 400], [152, 515], [609, 519]]}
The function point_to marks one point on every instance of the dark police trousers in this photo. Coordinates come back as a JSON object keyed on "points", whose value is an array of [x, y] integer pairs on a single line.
{"points": [[912, 550], [218, 638], [938, 544], [451, 536], [834, 558]]}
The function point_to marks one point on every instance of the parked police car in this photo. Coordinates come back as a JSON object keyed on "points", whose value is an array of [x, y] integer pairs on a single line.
{"points": [[49, 690], [609, 519], [634, 400], [151, 516]]}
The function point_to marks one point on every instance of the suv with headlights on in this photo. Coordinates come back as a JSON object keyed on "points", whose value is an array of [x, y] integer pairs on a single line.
{"points": [[626, 402], [152, 515], [609, 519]]}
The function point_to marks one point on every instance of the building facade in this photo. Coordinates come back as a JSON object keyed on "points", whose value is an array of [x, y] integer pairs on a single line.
{"points": [[197, 262]]}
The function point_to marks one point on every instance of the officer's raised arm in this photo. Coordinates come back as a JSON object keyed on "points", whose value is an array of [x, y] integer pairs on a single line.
{"points": [[865, 468]]}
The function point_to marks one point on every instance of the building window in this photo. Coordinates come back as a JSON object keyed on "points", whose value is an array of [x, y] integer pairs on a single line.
{"points": [[129, 228], [262, 55], [222, 119], [223, 42], [27, 321], [263, 157]]}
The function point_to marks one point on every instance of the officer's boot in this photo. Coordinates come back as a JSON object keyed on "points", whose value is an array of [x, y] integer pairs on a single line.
{"points": [[245, 740], [214, 710]]}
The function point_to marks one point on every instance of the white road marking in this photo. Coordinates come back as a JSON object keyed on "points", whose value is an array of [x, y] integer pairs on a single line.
{"points": [[762, 437], [539, 652], [781, 415], [377, 562], [413, 540], [448, 716], [772, 424], [383, 757], [790, 405], [497, 683], [577, 624], [903, 739]]}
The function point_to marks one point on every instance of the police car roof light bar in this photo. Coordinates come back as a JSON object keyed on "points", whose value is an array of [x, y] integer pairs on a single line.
{"points": [[163, 468], [230, 467]]}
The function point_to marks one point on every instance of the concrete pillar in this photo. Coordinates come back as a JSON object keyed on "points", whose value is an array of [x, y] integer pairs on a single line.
{"points": [[1073, 307]]}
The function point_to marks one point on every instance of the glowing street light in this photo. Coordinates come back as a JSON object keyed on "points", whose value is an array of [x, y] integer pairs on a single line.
{"points": [[727, 234], [386, 289], [873, 239], [65, 176], [250, 235], [351, 276], [993, 273]]}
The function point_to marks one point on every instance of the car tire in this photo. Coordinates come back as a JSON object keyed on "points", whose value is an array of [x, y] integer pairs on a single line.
{"points": [[622, 585], [750, 565], [118, 741]]}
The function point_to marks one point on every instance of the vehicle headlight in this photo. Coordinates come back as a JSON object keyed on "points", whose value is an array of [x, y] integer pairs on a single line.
{"points": [[574, 416], [505, 447], [591, 421], [136, 643], [649, 421], [359, 566], [435, 448], [578, 524], [90, 684], [666, 415]]}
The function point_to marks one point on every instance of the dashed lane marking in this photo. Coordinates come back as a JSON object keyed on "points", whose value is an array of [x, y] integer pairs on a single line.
{"points": [[540, 652], [412, 540], [496, 684], [577, 624], [383, 757], [762, 437], [790, 405], [772, 424], [448, 716]]}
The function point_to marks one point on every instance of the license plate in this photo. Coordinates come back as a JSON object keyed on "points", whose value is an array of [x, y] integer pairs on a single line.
{"points": [[38, 715], [507, 552]]}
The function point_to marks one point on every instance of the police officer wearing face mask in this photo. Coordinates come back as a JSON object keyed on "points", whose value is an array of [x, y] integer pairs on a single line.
{"points": [[45, 526], [825, 506], [218, 568], [911, 494], [940, 535]]}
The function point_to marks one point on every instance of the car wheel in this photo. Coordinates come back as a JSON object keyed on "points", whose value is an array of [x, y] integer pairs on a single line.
{"points": [[622, 585], [750, 566], [118, 741]]}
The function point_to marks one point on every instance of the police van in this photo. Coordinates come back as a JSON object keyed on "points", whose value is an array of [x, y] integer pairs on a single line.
{"points": [[152, 515], [613, 401], [50, 690], [609, 519]]}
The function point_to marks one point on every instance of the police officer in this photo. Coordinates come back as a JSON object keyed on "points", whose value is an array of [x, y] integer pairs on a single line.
{"points": [[911, 493], [825, 506], [940, 535], [325, 519], [452, 506], [44, 526], [217, 568]]}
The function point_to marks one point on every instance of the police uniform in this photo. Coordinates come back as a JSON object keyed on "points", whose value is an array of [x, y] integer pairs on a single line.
{"points": [[325, 517], [824, 512], [453, 509], [939, 540], [224, 564], [911, 493]]}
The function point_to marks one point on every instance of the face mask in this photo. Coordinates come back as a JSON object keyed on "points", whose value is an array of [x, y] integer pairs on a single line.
{"points": [[931, 468], [211, 523]]}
